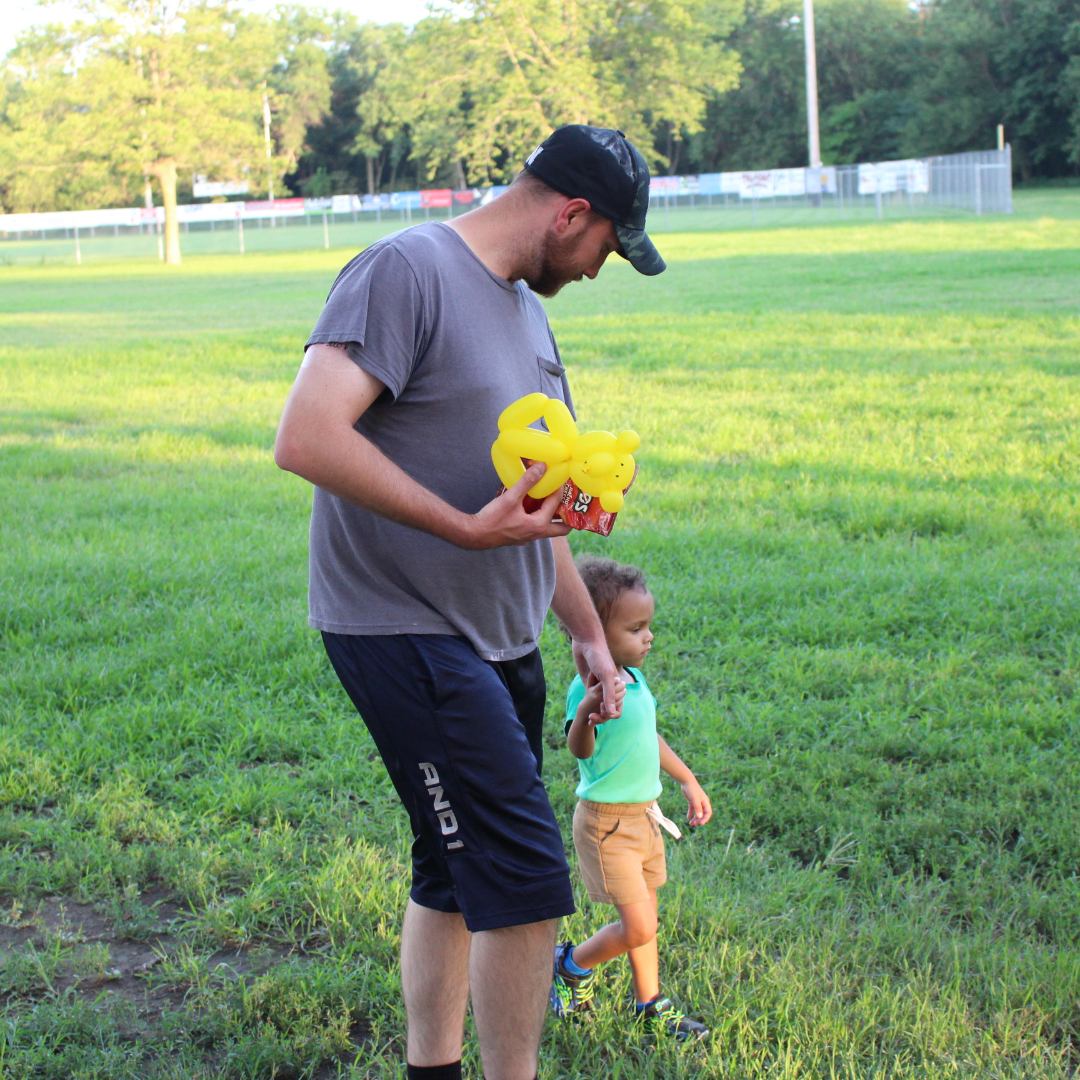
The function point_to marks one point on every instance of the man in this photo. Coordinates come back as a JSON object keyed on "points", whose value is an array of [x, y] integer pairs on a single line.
{"points": [[431, 591]]}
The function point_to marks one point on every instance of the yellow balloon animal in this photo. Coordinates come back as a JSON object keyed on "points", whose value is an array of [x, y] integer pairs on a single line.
{"points": [[601, 464]]}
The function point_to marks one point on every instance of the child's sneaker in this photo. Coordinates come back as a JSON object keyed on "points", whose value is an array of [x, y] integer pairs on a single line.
{"points": [[570, 993], [662, 1018]]}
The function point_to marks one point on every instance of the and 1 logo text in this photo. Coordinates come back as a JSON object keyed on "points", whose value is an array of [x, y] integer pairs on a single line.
{"points": [[447, 820]]}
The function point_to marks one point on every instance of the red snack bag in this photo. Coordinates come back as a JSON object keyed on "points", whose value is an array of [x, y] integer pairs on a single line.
{"points": [[581, 511]]}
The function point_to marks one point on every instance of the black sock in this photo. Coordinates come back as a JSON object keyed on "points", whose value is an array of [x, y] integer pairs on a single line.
{"points": [[452, 1071]]}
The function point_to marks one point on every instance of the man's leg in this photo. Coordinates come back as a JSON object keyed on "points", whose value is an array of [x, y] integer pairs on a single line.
{"points": [[510, 974], [485, 842], [435, 983]]}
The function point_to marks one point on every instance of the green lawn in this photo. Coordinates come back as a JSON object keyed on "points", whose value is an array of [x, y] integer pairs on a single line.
{"points": [[859, 509]]}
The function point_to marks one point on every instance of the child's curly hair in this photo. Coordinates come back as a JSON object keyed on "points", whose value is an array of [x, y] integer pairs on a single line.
{"points": [[606, 581]]}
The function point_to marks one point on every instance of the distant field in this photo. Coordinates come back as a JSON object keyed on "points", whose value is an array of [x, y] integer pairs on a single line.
{"points": [[859, 509]]}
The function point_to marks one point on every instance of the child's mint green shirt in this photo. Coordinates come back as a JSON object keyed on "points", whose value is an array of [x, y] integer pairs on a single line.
{"points": [[625, 763]]}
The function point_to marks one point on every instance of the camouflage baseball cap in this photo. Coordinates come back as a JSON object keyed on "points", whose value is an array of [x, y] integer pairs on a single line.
{"points": [[603, 166]]}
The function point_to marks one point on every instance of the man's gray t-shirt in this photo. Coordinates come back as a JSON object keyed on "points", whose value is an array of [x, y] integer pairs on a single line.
{"points": [[453, 344]]}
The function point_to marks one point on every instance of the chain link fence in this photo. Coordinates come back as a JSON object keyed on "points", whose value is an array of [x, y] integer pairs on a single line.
{"points": [[977, 183], [972, 183]]}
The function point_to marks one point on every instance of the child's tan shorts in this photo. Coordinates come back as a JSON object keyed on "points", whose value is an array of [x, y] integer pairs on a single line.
{"points": [[620, 851]]}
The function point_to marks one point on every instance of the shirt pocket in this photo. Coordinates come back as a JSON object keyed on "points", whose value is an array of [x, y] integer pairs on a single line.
{"points": [[552, 376]]}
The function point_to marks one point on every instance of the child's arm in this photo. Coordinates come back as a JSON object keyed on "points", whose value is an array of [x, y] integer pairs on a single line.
{"points": [[581, 735], [699, 809]]}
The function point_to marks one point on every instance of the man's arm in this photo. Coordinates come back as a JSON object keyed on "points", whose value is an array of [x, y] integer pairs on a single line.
{"points": [[316, 440], [574, 607]]}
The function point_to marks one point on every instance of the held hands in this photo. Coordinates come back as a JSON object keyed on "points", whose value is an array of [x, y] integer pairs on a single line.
{"points": [[596, 668], [593, 702], [504, 521], [581, 735], [698, 807]]}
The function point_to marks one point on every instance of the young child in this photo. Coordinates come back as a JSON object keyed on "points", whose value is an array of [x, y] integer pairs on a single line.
{"points": [[617, 821]]}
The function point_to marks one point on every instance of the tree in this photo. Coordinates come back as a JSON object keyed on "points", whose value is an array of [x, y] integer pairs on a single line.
{"points": [[139, 88], [478, 89], [358, 142], [990, 62], [668, 58], [866, 52], [1069, 94], [51, 157], [760, 122], [378, 136], [290, 58]]}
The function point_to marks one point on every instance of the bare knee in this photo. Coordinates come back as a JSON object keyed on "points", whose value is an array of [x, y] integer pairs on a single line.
{"points": [[639, 931]]}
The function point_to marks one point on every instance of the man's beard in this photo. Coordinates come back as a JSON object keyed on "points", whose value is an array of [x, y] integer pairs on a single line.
{"points": [[557, 267]]}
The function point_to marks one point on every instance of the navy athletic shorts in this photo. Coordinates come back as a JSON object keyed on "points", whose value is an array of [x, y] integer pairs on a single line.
{"points": [[461, 740]]}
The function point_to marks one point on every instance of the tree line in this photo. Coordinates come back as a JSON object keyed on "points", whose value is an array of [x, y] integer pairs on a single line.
{"points": [[137, 96]]}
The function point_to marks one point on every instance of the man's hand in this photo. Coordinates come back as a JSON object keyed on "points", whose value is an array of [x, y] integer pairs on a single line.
{"points": [[504, 521], [317, 439]]}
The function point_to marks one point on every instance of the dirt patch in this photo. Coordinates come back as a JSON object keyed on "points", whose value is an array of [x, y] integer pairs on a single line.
{"points": [[62, 935], [133, 959]]}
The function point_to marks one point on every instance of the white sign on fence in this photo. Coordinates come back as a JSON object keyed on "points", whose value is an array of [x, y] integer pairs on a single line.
{"points": [[772, 183], [193, 212], [885, 177], [201, 188]]}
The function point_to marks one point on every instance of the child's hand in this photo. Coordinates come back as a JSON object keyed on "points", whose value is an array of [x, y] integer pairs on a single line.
{"points": [[594, 661], [699, 809], [594, 698]]}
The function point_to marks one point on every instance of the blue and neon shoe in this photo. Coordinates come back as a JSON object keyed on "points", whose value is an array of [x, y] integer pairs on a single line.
{"points": [[570, 994], [662, 1019]]}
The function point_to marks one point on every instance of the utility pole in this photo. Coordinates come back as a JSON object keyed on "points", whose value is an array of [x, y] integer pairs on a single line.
{"points": [[268, 145], [812, 137], [269, 155]]}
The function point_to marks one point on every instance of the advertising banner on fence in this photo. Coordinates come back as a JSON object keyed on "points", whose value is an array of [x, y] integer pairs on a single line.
{"points": [[710, 183], [71, 219], [672, 186], [201, 188], [273, 208], [191, 213], [405, 200], [821, 181], [772, 183], [884, 177]]}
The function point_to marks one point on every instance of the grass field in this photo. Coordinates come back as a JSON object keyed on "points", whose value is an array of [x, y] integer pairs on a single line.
{"points": [[859, 509]]}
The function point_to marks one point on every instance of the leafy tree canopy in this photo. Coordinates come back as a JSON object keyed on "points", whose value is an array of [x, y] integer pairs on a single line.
{"points": [[139, 91]]}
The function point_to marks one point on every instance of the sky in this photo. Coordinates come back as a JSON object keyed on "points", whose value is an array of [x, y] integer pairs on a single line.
{"points": [[19, 15]]}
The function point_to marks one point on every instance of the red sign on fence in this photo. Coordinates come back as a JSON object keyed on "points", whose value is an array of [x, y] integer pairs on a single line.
{"points": [[281, 207], [436, 198]]}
